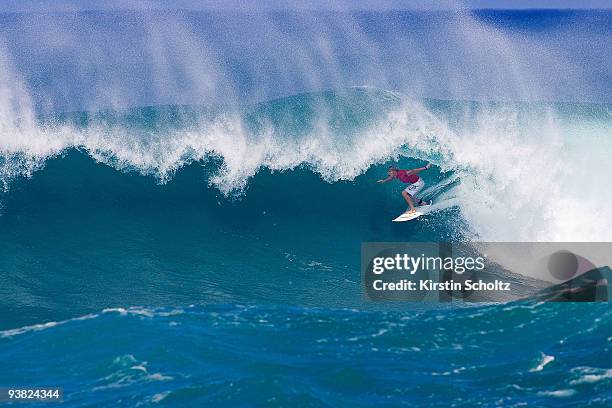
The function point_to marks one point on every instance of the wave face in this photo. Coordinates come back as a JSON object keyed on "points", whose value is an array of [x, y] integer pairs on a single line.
{"points": [[256, 355]]}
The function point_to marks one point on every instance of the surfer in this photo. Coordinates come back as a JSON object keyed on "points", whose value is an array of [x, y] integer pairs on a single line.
{"points": [[415, 184]]}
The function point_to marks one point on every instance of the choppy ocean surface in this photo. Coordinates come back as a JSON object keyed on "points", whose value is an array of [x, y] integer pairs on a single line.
{"points": [[510, 355], [209, 253]]}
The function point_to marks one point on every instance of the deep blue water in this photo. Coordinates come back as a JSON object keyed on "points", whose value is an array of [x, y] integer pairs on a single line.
{"points": [[510, 355], [184, 197]]}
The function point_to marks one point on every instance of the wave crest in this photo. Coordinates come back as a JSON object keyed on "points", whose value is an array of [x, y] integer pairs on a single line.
{"points": [[515, 167]]}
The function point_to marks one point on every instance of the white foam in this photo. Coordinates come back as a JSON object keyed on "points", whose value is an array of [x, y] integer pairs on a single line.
{"points": [[43, 326], [544, 360], [160, 396], [588, 375], [564, 393], [131, 311], [129, 370], [522, 177], [526, 177]]}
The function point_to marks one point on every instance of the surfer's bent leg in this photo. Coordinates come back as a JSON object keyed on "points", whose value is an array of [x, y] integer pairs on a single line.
{"points": [[410, 192], [408, 199]]}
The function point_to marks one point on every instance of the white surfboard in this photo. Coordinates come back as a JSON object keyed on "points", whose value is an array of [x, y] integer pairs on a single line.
{"points": [[408, 216], [411, 216]]}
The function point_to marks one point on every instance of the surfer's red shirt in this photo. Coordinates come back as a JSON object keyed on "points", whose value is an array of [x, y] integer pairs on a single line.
{"points": [[407, 178]]}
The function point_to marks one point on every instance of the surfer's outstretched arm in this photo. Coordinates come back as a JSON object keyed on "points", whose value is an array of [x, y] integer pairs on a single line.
{"points": [[385, 180], [419, 169]]}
